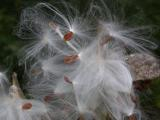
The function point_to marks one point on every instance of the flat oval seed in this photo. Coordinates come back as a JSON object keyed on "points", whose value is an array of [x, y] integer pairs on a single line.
{"points": [[68, 36], [132, 117], [66, 79], [70, 59], [48, 98], [26, 106]]}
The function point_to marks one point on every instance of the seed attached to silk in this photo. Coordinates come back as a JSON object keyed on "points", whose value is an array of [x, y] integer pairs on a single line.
{"points": [[132, 117], [48, 98], [26, 106], [67, 80], [35, 71], [68, 36], [105, 40], [70, 59]]}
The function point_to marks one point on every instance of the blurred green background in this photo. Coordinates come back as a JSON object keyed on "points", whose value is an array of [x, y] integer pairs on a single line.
{"points": [[137, 12]]}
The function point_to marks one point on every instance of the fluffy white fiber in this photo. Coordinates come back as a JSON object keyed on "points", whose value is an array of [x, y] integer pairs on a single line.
{"points": [[78, 68], [13, 105]]}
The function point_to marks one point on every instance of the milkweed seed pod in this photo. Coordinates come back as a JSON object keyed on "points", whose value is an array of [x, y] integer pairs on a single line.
{"points": [[144, 66], [78, 64]]}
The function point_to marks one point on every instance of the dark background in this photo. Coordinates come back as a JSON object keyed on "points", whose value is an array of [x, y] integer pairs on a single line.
{"points": [[137, 12]]}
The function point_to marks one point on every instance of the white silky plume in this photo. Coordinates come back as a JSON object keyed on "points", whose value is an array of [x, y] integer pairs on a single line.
{"points": [[132, 38], [94, 79], [14, 107], [11, 109], [111, 21], [47, 84], [47, 76], [103, 75], [47, 30], [80, 69]]}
